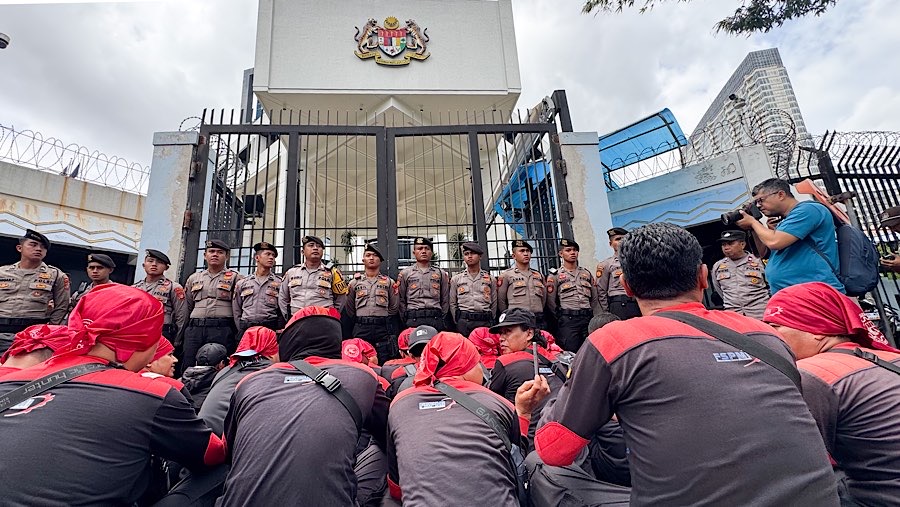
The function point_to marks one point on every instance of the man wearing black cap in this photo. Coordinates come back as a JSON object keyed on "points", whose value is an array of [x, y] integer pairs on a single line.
{"points": [[402, 378], [209, 303], [312, 283], [740, 278], [168, 292], [373, 302], [31, 292], [99, 267], [520, 286], [890, 219], [256, 297], [571, 296], [611, 294], [473, 292], [424, 289]]}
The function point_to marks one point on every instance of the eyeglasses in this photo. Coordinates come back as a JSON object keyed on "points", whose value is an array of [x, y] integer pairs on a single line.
{"points": [[759, 200]]}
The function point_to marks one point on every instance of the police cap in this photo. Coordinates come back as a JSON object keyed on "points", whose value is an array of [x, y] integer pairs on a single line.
{"points": [[156, 254], [36, 236], [732, 235], [515, 317], [471, 246], [424, 241], [262, 245], [370, 247], [102, 259], [616, 231], [890, 217], [312, 239], [565, 243], [218, 243], [521, 243]]}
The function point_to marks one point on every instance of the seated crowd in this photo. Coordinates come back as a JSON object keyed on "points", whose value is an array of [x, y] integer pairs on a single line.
{"points": [[680, 406]]}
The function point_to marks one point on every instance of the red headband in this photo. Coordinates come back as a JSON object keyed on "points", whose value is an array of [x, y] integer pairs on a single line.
{"points": [[38, 337], [357, 350], [447, 355], [403, 339], [488, 344], [309, 311], [163, 347], [259, 339]]}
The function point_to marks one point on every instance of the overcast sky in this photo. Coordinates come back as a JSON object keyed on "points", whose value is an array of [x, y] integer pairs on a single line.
{"points": [[108, 75]]}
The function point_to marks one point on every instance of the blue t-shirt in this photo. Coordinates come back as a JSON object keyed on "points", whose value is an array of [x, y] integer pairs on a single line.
{"points": [[799, 263]]}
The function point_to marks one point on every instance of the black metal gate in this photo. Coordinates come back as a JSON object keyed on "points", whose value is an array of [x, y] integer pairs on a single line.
{"points": [[354, 178]]}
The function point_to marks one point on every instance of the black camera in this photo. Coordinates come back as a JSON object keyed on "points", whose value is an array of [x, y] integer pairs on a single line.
{"points": [[749, 208]]}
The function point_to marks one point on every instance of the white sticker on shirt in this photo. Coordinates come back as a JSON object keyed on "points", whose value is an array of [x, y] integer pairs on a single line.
{"points": [[730, 357], [428, 405], [297, 379], [545, 371]]}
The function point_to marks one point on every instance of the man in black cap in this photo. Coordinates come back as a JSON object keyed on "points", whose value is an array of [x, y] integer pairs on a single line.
{"points": [[168, 292], [373, 302], [740, 278], [571, 296], [313, 282], [890, 219], [31, 292], [522, 287], [211, 358], [402, 378], [424, 289], [209, 303], [256, 297], [99, 267], [473, 292], [611, 294]]}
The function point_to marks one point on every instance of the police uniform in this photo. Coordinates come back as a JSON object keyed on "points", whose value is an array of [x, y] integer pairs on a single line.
{"points": [[171, 294], [31, 296], [373, 302], [611, 295], [102, 259], [320, 286], [209, 306], [522, 289], [256, 299], [473, 296], [571, 296], [741, 283], [424, 294]]}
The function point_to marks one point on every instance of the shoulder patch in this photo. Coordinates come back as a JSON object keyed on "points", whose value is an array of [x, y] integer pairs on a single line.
{"points": [[500, 281], [66, 282], [179, 292], [599, 272]]}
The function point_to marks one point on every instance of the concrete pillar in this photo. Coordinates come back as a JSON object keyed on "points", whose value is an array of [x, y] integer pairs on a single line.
{"points": [[587, 193], [167, 195]]}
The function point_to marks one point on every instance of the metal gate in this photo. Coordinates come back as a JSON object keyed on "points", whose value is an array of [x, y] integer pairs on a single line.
{"points": [[354, 178]]}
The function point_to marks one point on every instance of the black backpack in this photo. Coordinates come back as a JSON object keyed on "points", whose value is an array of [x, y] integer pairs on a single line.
{"points": [[857, 258]]}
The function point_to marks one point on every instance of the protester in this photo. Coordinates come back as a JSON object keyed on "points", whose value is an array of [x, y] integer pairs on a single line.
{"points": [[601, 319], [111, 419], [257, 350], [488, 345], [388, 368], [854, 397], [440, 453], [314, 441], [803, 245], [360, 351], [163, 362], [211, 358], [402, 378], [682, 396], [34, 345]]}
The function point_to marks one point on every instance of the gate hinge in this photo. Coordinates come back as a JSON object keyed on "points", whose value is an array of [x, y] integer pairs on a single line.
{"points": [[188, 220], [554, 138], [570, 210], [201, 140], [563, 168]]}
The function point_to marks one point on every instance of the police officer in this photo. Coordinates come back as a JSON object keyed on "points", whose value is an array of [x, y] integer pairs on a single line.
{"points": [[210, 303], [424, 289], [740, 277], [168, 292], [473, 293], [312, 283], [571, 296], [611, 295], [99, 267], [31, 292], [256, 297], [374, 301], [522, 287]]}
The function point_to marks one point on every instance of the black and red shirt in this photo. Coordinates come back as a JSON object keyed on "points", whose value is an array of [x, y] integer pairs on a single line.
{"points": [[705, 423], [857, 407], [292, 442], [88, 441], [514, 369]]}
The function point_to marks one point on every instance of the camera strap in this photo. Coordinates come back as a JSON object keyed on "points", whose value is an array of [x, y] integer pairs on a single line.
{"points": [[36, 387], [869, 356]]}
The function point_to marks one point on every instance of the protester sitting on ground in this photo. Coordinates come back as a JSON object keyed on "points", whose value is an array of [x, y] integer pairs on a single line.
{"points": [[257, 350], [440, 453], [315, 441], [488, 345], [211, 358], [359, 351], [402, 378], [890, 219], [163, 362], [403, 346], [704, 421], [107, 421], [33, 345], [851, 382], [600, 319]]}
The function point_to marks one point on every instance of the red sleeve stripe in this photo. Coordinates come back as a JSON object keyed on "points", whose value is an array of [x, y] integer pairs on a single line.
{"points": [[215, 451], [394, 489], [524, 425], [557, 445], [831, 368], [507, 359]]}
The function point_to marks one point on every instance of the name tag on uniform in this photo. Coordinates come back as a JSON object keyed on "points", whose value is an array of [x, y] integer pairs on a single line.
{"points": [[428, 405], [297, 379], [730, 357], [246, 292], [545, 371]]}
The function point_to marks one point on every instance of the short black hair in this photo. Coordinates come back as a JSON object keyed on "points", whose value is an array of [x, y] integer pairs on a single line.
{"points": [[601, 319], [660, 261], [773, 185]]}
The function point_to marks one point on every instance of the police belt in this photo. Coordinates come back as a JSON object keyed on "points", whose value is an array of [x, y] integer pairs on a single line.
{"points": [[216, 322], [272, 323], [576, 313], [168, 328], [474, 315], [372, 320], [621, 299], [428, 312], [16, 325]]}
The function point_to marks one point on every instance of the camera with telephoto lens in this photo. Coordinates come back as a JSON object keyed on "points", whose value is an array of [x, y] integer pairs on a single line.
{"points": [[749, 208]]}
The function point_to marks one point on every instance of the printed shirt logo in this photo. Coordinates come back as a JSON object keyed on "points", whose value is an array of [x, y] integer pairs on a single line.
{"points": [[391, 44], [730, 357], [30, 404]]}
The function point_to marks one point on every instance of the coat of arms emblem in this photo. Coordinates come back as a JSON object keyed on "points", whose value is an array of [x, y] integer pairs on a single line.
{"points": [[391, 44]]}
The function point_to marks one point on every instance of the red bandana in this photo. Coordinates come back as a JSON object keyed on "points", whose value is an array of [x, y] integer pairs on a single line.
{"points": [[487, 343], [357, 350], [309, 311], [162, 348], [447, 355], [40, 336], [259, 339], [403, 339]]}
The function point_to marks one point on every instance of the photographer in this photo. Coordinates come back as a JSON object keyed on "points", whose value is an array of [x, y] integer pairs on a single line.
{"points": [[890, 219], [803, 246]]}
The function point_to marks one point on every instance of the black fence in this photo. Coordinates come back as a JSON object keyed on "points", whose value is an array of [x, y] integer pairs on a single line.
{"points": [[351, 178]]}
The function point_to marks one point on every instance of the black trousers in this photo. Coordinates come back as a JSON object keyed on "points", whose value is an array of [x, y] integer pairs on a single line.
{"points": [[198, 333], [624, 307], [274, 325], [379, 331], [572, 329], [466, 322], [436, 322]]}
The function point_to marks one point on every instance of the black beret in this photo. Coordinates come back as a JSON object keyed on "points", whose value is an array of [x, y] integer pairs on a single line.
{"points": [[262, 245], [102, 259], [563, 243], [521, 243], [471, 246], [424, 241], [40, 238], [218, 243], [370, 247], [312, 239], [616, 231], [156, 254], [732, 235]]}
